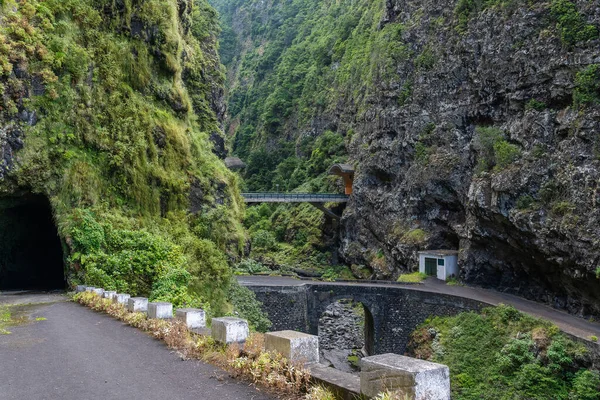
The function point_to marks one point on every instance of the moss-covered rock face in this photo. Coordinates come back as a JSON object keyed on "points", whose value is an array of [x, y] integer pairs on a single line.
{"points": [[472, 124], [108, 109]]}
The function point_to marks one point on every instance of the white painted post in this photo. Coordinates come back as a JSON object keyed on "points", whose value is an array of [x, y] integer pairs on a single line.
{"points": [[137, 304], [120, 298], [108, 294], [230, 330], [410, 377], [160, 310], [295, 346], [194, 318]]}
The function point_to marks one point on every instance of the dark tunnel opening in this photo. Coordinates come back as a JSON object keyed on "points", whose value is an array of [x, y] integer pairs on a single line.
{"points": [[31, 256]]}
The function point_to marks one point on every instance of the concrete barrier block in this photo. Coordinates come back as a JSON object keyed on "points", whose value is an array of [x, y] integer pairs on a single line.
{"points": [[80, 288], [230, 330], [108, 294], [160, 310], [295, 346], [98, 291], [194, 318], [121, 298], [409, 377], [137, 304], [89, 288]]}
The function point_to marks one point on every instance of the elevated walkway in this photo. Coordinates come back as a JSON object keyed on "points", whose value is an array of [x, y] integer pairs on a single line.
{"points": [[294, 198], [316, 199]]}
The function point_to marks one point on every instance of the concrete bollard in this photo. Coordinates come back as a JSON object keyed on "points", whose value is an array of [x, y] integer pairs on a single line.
{"points": [[409, 377], [230, 330], [137, 304], [80, 288], [194, 318], [108, 294], [295, 346], [121, 298], [160, 310]]}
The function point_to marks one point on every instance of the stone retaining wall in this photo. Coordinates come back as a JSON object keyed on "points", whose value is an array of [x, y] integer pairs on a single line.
{"points": [[285, 305]]}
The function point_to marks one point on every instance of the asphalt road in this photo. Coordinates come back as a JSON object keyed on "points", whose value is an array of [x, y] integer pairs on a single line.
{"points": [[79, 354], [568, 323]]}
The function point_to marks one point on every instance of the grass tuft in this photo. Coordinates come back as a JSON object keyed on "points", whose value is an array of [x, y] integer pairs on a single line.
{"points": [[414, 277]]}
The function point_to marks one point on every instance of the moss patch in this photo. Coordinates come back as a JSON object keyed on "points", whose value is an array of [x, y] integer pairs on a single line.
{"points": [[122, 94], [415, 277]]}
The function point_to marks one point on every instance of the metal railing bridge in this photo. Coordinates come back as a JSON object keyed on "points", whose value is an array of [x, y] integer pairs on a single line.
{"points": [[316, 199]]}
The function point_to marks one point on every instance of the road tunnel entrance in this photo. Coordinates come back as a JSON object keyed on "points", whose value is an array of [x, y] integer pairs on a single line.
{"points": [[31, 255]]}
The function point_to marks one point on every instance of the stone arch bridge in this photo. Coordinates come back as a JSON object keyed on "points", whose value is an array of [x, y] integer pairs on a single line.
{"points": [[391, 313]]}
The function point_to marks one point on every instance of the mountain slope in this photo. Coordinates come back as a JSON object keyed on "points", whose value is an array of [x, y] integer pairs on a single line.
{"points": [[472, 125]]}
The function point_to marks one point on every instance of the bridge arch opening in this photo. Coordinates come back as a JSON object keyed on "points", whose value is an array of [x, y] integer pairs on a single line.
{"points": [[31, 256], [346, 334]]}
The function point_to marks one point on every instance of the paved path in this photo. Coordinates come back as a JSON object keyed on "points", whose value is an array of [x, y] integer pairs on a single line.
{"points": [[566, 322], [77, 354]]}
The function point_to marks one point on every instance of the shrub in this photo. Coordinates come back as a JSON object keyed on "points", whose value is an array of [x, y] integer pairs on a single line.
{"points": [[119, 259], [421, 153], [501, 354], [172, 287], [494, 151], [415, 236], [525, 202], [534, 104], [264, 240], [87, 233], [587, 86], [537, 382], [99, 278], [516, 353], [505, 154], [335, 272], [425, 60], [586, 385], [249, 266], [246, 306], [571, 25], [597, 272]]}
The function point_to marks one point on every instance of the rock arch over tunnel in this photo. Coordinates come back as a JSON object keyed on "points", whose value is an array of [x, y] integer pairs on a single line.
{"points": [[31, 254]]}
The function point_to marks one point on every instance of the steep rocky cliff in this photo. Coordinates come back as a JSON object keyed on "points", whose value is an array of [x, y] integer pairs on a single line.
{"points": [[472, 125], [108, 109]]}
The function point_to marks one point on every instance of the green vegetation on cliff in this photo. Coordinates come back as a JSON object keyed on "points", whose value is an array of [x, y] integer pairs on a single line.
{"points": [[408, 91], [116, 102], [504, 354]]}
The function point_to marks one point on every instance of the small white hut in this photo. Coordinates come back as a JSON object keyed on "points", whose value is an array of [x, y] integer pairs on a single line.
{"points": [[442, 264]]}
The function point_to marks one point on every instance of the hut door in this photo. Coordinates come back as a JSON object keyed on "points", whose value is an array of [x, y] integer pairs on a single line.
{"points": [[431, 266]]}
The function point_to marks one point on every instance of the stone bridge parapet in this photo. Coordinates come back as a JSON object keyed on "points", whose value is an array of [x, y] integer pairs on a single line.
{"points": [[391, 313]]}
